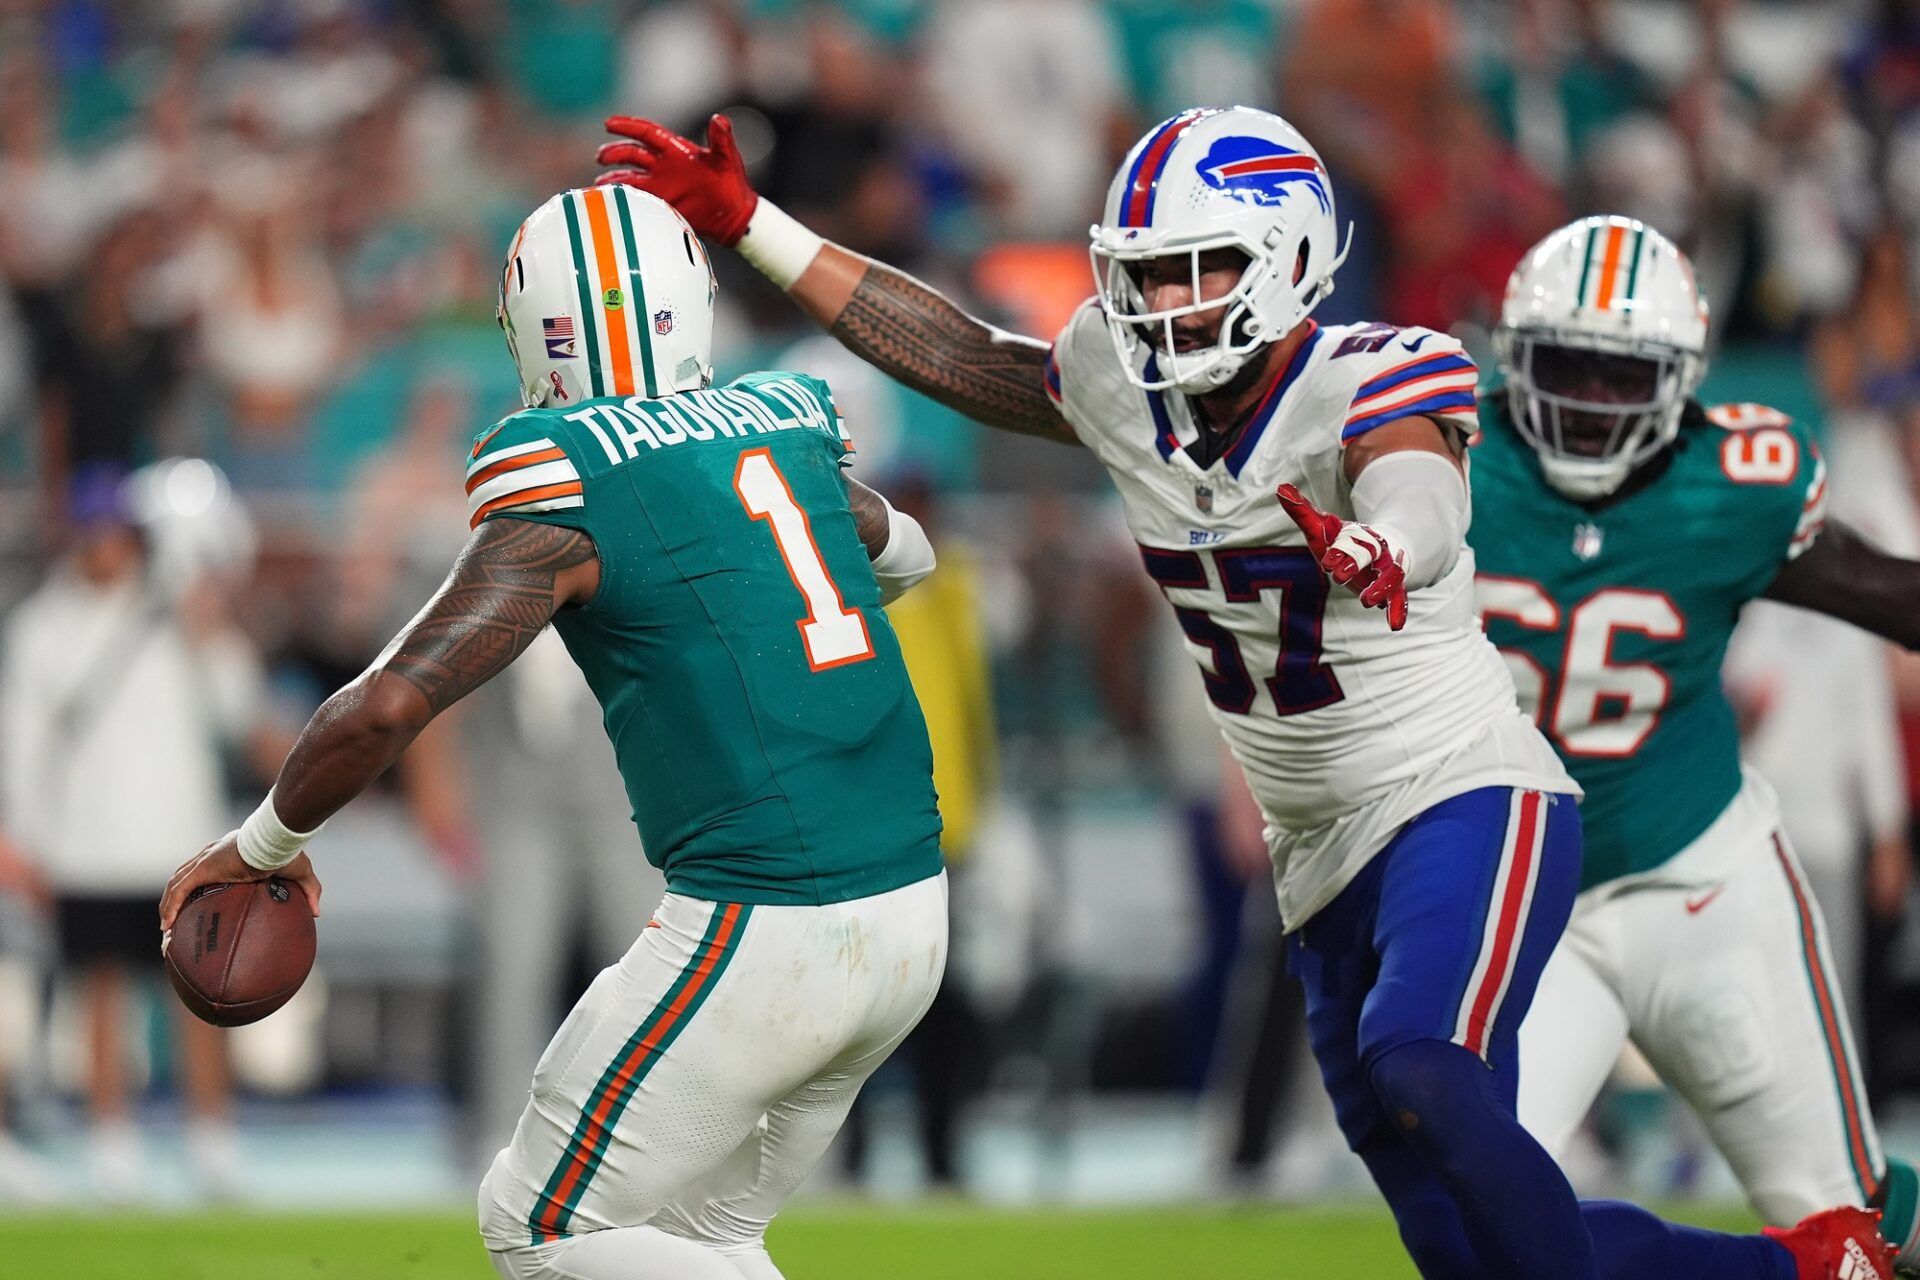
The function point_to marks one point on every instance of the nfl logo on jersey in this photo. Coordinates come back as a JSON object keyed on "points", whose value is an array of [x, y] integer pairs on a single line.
{"points": [[1587, 540], [1203, 498]]}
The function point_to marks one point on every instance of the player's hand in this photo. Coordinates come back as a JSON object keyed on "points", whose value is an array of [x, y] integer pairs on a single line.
{"points": [[1353, 554], [221, 863], [708, 185]]}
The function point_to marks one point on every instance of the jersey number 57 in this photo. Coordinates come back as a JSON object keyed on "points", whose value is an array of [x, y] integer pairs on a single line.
{"points": [[1300, 681]]}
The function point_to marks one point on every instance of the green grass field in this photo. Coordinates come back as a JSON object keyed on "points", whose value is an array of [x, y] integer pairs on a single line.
{"points": [[812, 1243]]}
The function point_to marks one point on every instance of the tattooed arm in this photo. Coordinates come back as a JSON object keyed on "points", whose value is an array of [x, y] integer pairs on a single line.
{"points": [[915, 334], [885, 317], [510, 579]]}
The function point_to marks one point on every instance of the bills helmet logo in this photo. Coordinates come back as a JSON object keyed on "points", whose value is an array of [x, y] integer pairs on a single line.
{"points": [[1260, 172], [663, 322]]}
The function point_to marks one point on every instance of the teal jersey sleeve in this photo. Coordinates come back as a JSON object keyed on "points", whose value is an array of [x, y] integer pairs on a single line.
{"points": [[1775, 477], [525, 466]]}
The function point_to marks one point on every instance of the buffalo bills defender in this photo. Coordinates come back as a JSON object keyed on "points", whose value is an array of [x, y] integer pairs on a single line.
{"points": [[1623, 525], [1425, 840]]}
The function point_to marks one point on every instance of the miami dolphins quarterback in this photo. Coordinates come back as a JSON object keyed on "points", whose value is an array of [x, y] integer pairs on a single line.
{"points": [[718, 578], [1620, 527], [1298, 494]]}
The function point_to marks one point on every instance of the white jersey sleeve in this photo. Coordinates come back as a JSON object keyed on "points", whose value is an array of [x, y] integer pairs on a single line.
{"points": [[1405, 373], [1346, 730]]}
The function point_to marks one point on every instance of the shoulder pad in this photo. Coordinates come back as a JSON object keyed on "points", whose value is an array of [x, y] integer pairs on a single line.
{"points": [[805, 398], [1746, 416], [1083, 335], [520, 465], [1402, 373]]}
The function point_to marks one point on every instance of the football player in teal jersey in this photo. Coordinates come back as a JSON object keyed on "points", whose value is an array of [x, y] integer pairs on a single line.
{"points": [[1620, 526], [719, 579]]}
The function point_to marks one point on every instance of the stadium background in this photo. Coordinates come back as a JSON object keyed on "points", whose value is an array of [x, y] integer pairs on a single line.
{"points": [[265, 235]]}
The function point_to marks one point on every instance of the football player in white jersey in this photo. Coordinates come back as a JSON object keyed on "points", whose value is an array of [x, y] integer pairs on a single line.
{"points": [[1425, 839]]}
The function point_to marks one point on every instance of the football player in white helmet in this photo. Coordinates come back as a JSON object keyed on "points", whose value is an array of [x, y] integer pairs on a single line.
{"points": [[1424, 836], [1622, 527], [719, 580]]}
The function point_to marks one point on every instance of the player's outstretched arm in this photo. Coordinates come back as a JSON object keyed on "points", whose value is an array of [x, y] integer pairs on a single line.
{"points": [[1845, 576], [1409, 492], [884, 316], [509, 581], [896, 544]]}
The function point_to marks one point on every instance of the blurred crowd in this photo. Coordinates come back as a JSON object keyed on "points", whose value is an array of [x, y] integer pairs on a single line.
{"points": [[265, 234]]}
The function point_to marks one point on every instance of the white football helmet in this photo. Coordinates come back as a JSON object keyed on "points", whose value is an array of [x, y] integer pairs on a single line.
{"points": [[1602, 338], [1215, 178], [607, 292]]}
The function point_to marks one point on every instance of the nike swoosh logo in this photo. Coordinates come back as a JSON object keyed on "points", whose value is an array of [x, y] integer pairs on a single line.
{"points": [[1696, 905], [1414, 344]]}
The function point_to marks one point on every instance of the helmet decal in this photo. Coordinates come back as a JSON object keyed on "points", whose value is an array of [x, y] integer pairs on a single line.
{"points": [[1260, 171], [1143, 180], [1611, 267], [558, 331], [597, 261]]}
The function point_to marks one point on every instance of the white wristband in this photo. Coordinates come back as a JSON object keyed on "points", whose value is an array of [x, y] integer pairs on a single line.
{"points": [[905, 560], [778, 246], [268, 844]]}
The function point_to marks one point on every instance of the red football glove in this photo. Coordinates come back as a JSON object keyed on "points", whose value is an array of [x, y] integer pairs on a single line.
{"points": [[1354, 555], [708, 185]]}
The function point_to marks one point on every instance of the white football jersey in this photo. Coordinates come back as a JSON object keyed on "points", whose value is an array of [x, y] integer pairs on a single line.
{"points": [[1345, 728]]}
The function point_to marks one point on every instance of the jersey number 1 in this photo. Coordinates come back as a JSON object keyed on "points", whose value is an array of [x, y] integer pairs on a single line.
{"points": [[833, 634]]}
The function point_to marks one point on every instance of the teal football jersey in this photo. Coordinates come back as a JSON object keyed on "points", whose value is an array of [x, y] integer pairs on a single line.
{"points": [[759, 708], [1615, 617]]}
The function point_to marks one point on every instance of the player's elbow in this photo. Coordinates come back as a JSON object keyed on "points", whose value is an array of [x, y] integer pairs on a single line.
{"points": [[384, 711]]}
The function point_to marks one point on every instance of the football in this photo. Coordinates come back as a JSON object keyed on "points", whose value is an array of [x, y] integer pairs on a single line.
{"points": [[239, 951]]}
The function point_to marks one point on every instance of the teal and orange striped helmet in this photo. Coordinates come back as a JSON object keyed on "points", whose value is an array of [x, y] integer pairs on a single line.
{"points": [[1602, 338], [607, 292]]}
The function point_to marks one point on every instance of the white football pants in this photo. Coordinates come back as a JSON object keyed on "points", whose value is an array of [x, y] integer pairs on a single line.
{"points": [[700, 1079], [1728, 988]]}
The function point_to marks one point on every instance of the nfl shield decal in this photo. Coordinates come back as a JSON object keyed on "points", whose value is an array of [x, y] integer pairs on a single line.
{"points": [[1203, 498], [1588, 538], [663, 321]]}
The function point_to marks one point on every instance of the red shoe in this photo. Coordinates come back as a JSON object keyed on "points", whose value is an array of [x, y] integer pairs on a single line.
{"points": [[1837, 1244]]}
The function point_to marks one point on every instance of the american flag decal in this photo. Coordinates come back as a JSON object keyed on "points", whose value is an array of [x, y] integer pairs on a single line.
{"points": [[559, 335]]}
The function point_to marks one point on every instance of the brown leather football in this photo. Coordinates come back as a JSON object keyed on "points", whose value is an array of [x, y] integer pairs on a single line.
{"points": [[239, 951]]}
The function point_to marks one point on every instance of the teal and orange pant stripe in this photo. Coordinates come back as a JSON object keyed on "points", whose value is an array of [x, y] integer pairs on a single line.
{"points": [[1846, 1072], [554, 1209]]}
